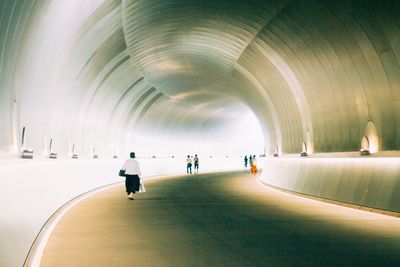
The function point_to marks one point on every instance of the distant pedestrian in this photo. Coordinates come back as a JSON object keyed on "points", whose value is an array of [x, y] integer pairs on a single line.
{"points": [[254, 165], [189, 165], [196, 164], [132, 175], [245, 161]]}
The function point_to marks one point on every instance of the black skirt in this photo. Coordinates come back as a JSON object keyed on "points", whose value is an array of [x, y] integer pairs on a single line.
{"points": [[132, 183]]}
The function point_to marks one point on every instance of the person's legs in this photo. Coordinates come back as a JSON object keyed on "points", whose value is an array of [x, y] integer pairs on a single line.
{"points": [[253, 169], [133, 186], [128, 185]]}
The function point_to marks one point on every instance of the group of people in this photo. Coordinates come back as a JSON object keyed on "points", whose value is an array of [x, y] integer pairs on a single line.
{"points": [[252, 163], [131, 171], [190, 162]]}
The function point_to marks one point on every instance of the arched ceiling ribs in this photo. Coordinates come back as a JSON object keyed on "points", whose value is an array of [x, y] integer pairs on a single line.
{"points": [[124, 94], [273, 13], [107, 7], [149, 105], [106, 76], [135, 106], [107, 51]]}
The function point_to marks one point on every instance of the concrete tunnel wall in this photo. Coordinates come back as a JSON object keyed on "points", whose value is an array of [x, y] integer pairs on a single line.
{"points": [[32, 191], [100, 75]]}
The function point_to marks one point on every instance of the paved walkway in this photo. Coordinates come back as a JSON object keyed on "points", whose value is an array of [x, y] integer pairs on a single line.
{"points": [[224, 219]]}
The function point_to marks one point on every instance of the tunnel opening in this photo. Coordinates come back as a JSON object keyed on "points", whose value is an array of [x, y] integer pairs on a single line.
{"points": [[229, 133]]}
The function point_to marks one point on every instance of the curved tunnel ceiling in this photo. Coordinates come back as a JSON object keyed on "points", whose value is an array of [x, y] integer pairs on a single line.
{"points": [[311, 71], [188, 49]]}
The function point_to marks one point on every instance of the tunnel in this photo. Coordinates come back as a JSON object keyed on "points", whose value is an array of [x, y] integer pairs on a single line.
{"points": [[312, 88]]}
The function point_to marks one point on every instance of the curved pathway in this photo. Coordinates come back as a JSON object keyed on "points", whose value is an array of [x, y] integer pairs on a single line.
{"points": [[223, 219]]}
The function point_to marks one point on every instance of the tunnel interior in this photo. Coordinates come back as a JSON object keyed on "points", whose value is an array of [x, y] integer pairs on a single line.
{"points": [[84, 79], [108, 76]]}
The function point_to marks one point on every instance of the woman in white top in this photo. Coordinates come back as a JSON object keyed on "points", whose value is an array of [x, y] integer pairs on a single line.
{"points": [[132, 175]]}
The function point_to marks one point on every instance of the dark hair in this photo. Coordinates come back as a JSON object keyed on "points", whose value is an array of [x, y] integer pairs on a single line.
{"points": [[132, 155]]}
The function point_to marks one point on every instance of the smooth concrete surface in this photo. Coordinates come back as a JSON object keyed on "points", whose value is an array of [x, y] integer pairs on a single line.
{"points": [[49, 184], [222, 219], [358, 180], [32, 190]]}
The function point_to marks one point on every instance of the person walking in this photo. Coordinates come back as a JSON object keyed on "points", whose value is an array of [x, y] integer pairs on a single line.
{"points": [[196, 164], [132, 175], [254, 165], [245, 161], [189, 165], [250, 160]]}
